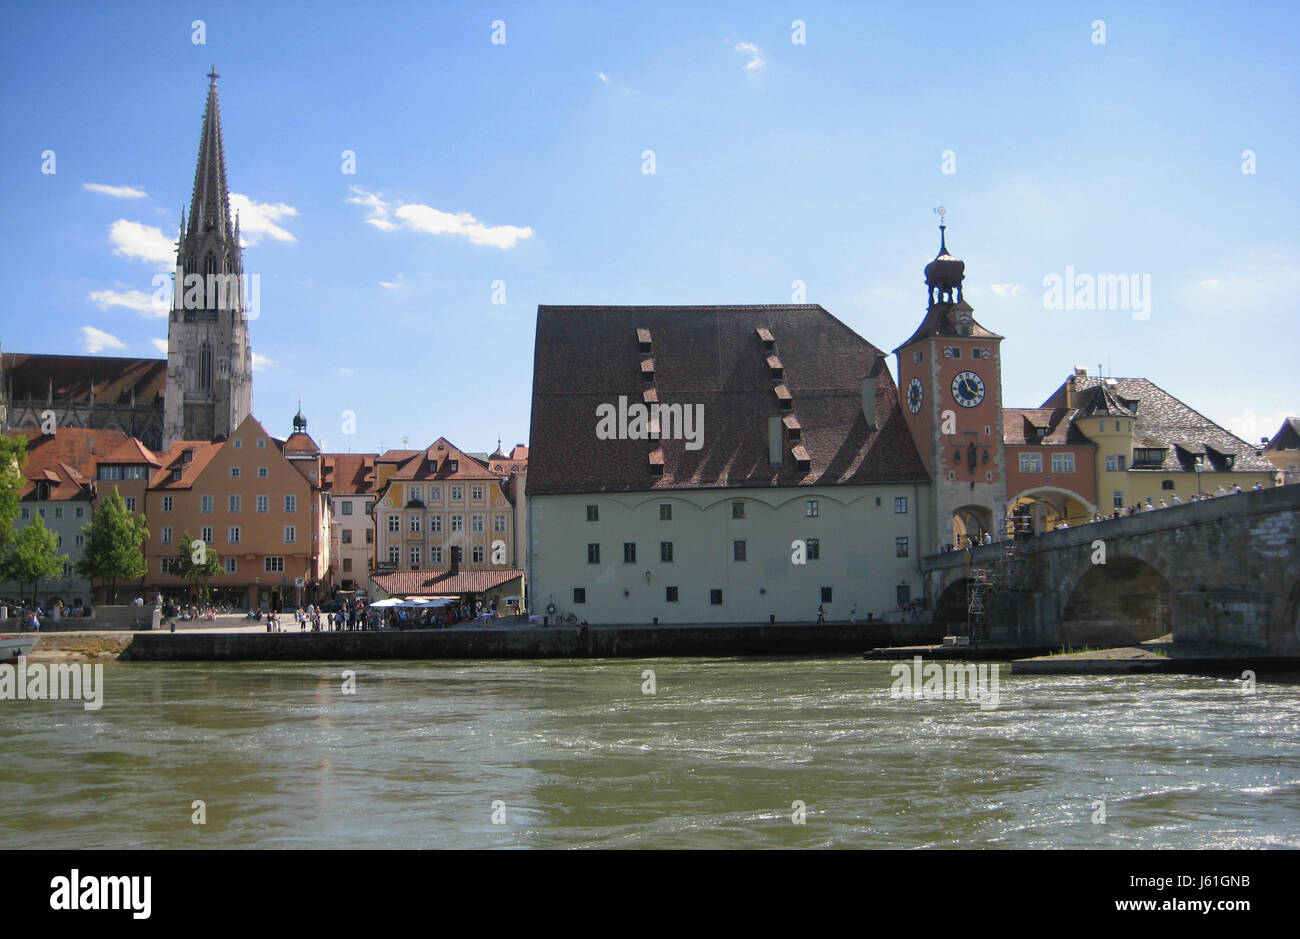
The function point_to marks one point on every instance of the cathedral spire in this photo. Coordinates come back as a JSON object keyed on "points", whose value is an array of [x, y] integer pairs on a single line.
{"points": [[210, 207]]}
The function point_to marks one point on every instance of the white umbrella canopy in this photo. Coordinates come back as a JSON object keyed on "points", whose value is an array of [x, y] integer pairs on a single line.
{"points": [[391, 601]]}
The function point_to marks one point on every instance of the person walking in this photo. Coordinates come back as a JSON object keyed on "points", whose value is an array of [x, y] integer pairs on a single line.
{"points": [[853, 615], [821, 615]]}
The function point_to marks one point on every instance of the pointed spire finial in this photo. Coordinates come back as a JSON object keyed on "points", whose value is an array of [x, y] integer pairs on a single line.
{"points": [[213, 76]]}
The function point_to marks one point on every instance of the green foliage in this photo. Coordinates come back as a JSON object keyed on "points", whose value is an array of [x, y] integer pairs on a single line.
{"points": [[33, 556], [196, 572], [114, 545], [13, 453]]}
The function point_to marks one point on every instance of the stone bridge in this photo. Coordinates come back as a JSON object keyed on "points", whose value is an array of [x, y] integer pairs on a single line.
{"points": [[1225, 571]]}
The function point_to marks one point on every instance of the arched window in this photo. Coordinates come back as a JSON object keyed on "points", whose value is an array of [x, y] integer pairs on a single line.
{"points": [[205, 368], [211, 263]]}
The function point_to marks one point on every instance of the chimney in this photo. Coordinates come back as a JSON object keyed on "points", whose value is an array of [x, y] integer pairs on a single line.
{"points": [[1073, 386], [869, 401], [455, 560], [774, 455]]}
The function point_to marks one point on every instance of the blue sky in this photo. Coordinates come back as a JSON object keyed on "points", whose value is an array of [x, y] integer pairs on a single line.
{"points": [[775, 162]]}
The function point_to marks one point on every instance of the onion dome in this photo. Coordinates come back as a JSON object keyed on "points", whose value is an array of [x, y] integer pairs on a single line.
{"points": [[945, 270]]}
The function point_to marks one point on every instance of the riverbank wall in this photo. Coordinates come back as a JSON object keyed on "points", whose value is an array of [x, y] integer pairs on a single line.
{"points": [[535, 642]]}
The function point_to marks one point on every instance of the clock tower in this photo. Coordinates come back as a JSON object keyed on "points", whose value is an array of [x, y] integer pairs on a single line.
{"points": [[950, 377]]}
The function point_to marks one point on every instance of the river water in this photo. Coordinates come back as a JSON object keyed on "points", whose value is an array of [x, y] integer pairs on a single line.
{"points": [[727, 753]]}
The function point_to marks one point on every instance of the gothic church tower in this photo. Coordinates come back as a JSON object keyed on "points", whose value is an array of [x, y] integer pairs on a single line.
{"points": [[209, 357]]}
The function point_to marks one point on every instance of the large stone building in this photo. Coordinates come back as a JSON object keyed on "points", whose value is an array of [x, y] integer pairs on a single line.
{"points": [[204, 388]]}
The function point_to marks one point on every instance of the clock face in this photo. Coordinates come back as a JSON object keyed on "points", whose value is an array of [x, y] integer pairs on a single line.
{"points": [[968, 389], [915, 394]]}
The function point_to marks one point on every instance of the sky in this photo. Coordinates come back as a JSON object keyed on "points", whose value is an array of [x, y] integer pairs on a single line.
{"points": [[506, 155]]}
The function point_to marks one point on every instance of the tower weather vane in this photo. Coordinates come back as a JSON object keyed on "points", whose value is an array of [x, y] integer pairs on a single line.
{"points": [[941, 212]]}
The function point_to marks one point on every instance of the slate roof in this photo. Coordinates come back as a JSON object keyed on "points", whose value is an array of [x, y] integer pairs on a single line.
{"points": [[1020, 426], [442, 583], [586, 356], [1163, 421], [1287, 436], [348, 474], [29, 376]]}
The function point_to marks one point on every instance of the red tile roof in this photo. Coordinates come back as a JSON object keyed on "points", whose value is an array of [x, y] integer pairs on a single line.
{"points": [[442, 583], [348, 474], [711, 355], [939, 322], [1020, 427], [416, 466], [174, 459], [131, 451]]}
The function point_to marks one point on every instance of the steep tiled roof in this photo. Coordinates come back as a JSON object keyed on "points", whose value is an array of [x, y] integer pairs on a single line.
{"points": [[132, 451], [1020, 427], [79, 447], [348, 474], [1164, 421], [174, 459], [113, 379], [300, 443], [1102, 400], [1287, 436], [586, 357], [938, 322], [416, 466], [442, 583], [397, 456]]}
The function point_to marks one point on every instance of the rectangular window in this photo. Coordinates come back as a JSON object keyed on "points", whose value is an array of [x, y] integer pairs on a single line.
{"points": [[827, 593], [900, 505], [394, 554], [414, 493], [1117, 499], [435, 524], [670, 594], [499, 523], [413, 556], [234, 504], [79, 541], [1115, 464], [666, 512], [261, 444], [593, 513], [176, 476], [1062, 462], [457, 493], [715, 597], [130, 503], [476, 523], [737, 510], [370, 508], [666, 552], [579, 594], [346, 535], [477, 553], [291, 504], [457, 523], [166, 503], [273, 565], [167, 534], [917, 357], [110, 472], [453, 466], [58, 511], [234, 472], [814, 547], [347, 506], [900, 547], [263, 503], [435, 493], [230, 564], [394, 524], [80, 512], [370, 536], [476, 493], [952, 352], [205, 504], [593, 554], [435, 554], [168, 565], [738, 550], [629, 552], [812, 508], [237, 444], [27, 513], [232, 534], [414, 522], [263, 472], [205, 533], [1031, 462], [1166, 484], [290, 534]]}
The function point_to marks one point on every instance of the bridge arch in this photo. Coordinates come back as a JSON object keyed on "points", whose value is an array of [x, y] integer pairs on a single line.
{"points": [[1049, 505], [1124, 600]]}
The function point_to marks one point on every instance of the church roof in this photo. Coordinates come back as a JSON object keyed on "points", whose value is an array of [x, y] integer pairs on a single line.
{"points": [[712, 356], [72, 378], [210, 204]]}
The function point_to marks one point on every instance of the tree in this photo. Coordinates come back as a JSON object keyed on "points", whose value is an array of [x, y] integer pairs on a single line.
{"points": [[114, 545], [33, 556], [196, 562], [13, 453]]}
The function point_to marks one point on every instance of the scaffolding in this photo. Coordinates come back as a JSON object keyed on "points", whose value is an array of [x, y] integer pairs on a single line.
{"points": [[990, 591]]}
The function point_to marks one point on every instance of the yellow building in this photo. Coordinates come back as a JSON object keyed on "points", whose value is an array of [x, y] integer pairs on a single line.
{"points": [[1151, 447]]}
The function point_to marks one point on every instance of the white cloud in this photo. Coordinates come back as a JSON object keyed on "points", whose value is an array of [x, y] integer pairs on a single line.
{"points": [[160, 345], [261, 363], [259, 218], [756, 60], [424, 218], [117, 192], [136, 300], [1006, 290], [603, 77], [141, 242], [95, 340], [1212, 282], [391, 284], [344, 370]]}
